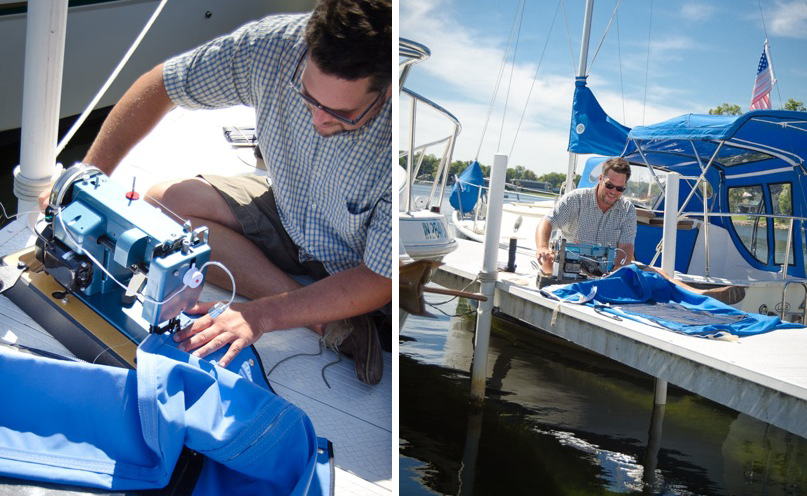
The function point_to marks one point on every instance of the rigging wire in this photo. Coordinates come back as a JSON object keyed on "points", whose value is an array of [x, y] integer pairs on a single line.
{"points": [[604, 34], [619, 52], [534, 78], [496, 88], [512, 71], [770, 63], [647, 64], [77, 124], [569, 38]]}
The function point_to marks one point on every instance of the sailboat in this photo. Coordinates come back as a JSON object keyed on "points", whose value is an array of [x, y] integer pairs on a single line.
{"points": [[742, 200]]}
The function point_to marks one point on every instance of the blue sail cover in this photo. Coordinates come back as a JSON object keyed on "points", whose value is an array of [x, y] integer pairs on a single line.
{"points": [[592, 130], [466, 190], [106, 427], [639, 295]]}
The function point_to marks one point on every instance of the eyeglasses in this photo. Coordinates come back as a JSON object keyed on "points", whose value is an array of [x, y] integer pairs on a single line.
{"points": [[618, 188], [296, 84]]}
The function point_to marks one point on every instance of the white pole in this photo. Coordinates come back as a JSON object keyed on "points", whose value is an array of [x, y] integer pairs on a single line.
{"points": [[581, 72], [670, 223], [46, 26], [487, 276]]}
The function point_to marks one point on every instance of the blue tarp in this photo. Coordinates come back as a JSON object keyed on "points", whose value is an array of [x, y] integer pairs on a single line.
{"points": [[465, 191], [680, 310], [592, 130], [107, 427]]}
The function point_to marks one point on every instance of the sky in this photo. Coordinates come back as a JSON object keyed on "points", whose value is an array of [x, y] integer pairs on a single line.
{"points": [[658, 60]]}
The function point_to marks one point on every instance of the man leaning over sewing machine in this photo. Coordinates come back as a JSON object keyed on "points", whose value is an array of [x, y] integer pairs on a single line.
{"points": [[320, 86], [601, 216], [597, 215]]}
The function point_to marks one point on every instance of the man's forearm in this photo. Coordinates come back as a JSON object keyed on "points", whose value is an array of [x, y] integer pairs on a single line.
{"points": [[345, 294], [140, 109]]}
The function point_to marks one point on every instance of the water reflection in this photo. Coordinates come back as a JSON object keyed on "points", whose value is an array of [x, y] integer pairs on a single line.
{"points": [[560, 420]]}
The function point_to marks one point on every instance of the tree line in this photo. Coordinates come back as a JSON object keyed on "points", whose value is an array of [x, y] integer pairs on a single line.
{"points": [[731, 109], [428, 168]]}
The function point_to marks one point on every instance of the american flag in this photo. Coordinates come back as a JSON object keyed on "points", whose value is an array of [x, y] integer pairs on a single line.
{"points": [[761, 98]]}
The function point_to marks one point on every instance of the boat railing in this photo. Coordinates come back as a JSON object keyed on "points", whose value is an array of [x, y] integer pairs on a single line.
{"points": [[448, 142], [409, 54], [481, 201], [699, 216]]}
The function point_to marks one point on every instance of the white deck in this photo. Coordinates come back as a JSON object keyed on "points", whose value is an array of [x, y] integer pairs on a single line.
{"points": [[764, 376], [355, 417]]}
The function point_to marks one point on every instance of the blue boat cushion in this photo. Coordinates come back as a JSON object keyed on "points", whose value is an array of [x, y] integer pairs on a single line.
{"points": [[639, 295]]}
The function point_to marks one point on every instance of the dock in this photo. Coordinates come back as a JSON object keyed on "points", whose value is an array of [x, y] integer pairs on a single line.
{"points": [[764, 376]]}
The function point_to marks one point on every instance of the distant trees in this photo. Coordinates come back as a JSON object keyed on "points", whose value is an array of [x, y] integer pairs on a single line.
{"points": [[795, 105], [428, 168], [726, 109], [729, 109]]}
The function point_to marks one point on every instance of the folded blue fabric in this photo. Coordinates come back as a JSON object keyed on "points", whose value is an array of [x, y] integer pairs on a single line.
{"points": [[93, 425], [623, 293]]}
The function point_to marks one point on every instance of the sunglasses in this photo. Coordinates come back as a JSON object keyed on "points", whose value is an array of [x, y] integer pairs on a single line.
{"points": [[296, 84], [618, 188]]}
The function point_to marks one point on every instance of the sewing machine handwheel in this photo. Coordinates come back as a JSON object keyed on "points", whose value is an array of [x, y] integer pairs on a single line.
{"points": [[61, 188]]}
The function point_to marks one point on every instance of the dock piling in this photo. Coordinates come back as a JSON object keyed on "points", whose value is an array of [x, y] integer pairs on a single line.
{"points": [[487, 277]]}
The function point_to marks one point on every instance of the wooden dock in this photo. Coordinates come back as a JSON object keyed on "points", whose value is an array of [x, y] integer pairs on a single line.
{"points": [[764, 376]]}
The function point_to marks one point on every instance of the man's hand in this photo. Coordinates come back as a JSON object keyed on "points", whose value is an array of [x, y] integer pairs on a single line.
{"points": [[545, 259], [237, 326], [43, 199]]}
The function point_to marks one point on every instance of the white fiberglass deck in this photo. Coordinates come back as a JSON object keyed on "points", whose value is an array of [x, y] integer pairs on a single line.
{"points": [[764, 376], [355, 417]]}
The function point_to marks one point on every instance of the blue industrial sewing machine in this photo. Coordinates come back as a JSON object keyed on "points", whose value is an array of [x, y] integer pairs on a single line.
{"points": [[107, 268], [100, 237], [578, 261]]}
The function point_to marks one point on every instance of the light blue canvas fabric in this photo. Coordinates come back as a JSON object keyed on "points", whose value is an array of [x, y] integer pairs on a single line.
{"points": [[106, 427], [630, 285]]}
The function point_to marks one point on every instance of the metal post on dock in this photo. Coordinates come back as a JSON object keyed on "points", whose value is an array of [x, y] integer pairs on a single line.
{"points": [[670, 223], [488, 276], [46, 27]]}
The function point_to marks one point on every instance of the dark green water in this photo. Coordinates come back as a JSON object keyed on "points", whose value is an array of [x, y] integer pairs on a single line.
{"points": [[560, 421]]}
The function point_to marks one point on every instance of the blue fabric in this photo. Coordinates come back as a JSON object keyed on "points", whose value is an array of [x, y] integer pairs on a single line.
{"points": [[465, 191], [631, 284], [592, 130], [106, 427], [669, 144]]}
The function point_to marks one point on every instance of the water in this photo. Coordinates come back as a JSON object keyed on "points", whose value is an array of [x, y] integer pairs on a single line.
{"points": [[559, 420]]}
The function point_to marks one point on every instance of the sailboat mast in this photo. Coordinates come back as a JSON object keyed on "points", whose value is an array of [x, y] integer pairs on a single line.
{"points": [[581, 72]]}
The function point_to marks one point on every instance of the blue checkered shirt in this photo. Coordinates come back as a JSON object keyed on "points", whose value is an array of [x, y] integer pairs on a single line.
{"points": [[580, 220], [334, 193]]}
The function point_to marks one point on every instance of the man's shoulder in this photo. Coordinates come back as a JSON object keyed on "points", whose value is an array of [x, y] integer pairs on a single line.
{"points": [[284, 27]]}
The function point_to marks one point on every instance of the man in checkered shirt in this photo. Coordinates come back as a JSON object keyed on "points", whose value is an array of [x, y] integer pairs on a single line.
{"points": [[600, 215], [320, 84], [597, 215]]}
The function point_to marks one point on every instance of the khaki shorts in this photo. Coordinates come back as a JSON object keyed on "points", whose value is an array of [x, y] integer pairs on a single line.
{"points": [[253, 203]]}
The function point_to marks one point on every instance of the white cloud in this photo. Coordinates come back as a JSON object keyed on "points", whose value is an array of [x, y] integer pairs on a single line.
{"points": [[698, 11], [788, 19]]}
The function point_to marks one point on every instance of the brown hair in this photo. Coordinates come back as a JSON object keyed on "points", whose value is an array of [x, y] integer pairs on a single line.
{"points": [[352, 39], [618, 165]]}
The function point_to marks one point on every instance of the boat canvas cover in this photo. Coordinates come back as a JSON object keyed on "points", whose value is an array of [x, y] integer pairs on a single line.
{"points": [[466, 189], [592, 130], [92, 425], [673, 144], [640, 295]]}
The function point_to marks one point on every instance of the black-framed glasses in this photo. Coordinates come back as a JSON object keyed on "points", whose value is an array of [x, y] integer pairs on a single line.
{"points": [[297, 85], [618, 188]]}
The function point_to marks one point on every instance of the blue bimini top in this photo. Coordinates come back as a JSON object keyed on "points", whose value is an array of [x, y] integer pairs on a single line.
{"points": [[640, 295], [93, 425]]}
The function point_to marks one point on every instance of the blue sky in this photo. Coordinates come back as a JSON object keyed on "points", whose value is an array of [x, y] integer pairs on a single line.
{"points": [[701, 54]]}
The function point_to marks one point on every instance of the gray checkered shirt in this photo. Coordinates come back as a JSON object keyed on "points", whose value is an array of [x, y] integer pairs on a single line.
{"points": [[334, 193], [580, 219]]}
